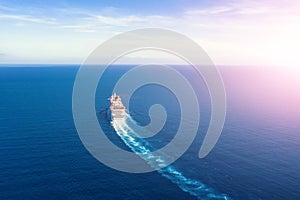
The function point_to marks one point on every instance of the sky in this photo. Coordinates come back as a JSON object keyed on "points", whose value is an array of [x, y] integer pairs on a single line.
{"points": [[232, 32]]}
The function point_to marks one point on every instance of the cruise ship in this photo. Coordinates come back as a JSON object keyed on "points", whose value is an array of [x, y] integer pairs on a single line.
{"points": [[116, 110]]}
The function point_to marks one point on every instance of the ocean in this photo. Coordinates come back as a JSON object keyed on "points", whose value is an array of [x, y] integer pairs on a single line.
{"points": [[42, 156]]}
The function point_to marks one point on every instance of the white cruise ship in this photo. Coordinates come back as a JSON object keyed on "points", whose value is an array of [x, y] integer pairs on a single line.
{"points": [[117, 109]]}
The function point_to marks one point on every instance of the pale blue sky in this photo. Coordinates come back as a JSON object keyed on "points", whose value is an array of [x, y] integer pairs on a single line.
{"points": [[232, 32]]}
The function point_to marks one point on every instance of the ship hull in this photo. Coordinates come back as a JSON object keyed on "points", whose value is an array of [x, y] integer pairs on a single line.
{"points": [[117, 114]]}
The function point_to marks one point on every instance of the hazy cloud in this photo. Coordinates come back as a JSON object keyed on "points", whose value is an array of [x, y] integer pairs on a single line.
{"points": [[28, 18], [97, 23], [232, 32], [246, 8]]}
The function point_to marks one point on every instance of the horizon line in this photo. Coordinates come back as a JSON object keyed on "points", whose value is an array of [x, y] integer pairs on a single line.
{"points": [[126, 64]]}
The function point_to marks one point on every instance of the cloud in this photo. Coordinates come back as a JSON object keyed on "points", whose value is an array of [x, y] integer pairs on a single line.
{"points": [[80, 28], [28, 18], [100, 23], [234, 32], [131, 20], [119, 21], [246, 8], [85, 30], [210, 11]]}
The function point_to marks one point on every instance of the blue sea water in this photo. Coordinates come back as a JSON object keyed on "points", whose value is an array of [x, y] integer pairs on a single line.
{"points": [[42, 157]]}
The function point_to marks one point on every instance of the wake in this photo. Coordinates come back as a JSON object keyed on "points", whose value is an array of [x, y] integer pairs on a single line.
{"points": [[143, 148]]}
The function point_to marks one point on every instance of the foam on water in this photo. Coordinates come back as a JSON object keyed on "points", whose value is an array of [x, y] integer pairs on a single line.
{"points": [[142, 148]]}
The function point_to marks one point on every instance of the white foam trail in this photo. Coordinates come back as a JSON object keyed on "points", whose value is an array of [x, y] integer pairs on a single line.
{"points": [[142, 148]]}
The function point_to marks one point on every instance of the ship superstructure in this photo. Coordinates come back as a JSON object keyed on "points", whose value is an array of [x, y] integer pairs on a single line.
{"points": [[117, 109]]}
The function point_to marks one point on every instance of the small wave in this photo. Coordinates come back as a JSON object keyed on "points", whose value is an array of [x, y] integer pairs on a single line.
{"points": [[142, 148]]}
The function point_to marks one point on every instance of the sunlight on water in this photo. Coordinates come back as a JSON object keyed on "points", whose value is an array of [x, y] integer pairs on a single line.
{"points": [[142, 148]]}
